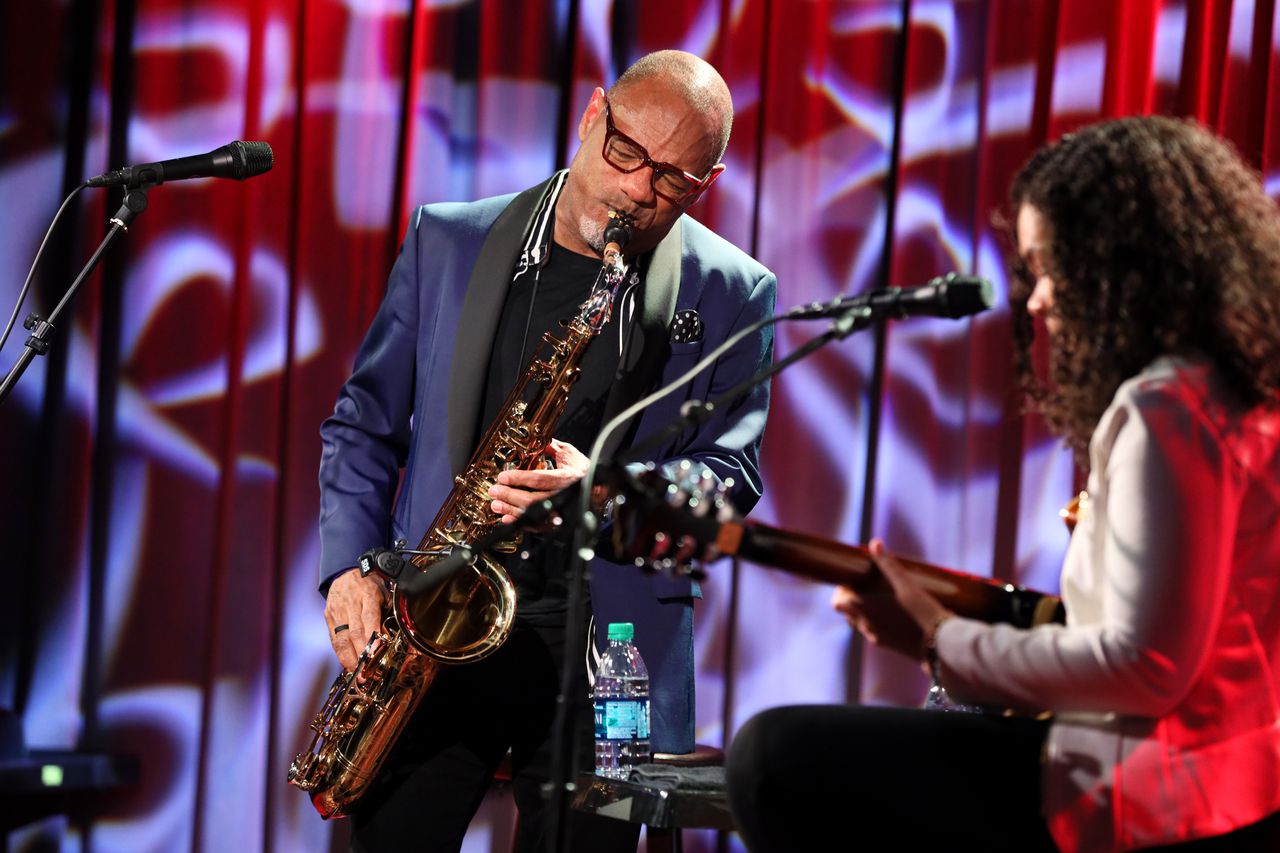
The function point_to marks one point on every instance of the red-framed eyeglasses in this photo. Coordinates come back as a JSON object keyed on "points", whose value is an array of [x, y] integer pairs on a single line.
{"points": [[626, 155]]}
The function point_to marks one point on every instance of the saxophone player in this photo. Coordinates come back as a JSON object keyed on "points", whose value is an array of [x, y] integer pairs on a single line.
{"points": [[475, 287]]}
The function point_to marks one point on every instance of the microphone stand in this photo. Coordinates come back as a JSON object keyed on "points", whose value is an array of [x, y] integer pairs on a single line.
{"points": [[564, 754], [135, 201], [695, 412]]}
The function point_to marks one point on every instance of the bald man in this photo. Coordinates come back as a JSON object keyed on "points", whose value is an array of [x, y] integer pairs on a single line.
{"points": [[473, 291]]}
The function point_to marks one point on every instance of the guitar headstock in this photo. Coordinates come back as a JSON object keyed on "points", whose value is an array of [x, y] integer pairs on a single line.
{"points": [[670, 524]]}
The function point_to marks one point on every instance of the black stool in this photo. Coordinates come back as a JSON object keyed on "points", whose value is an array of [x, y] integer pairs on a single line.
{"points": [[662, 803]]}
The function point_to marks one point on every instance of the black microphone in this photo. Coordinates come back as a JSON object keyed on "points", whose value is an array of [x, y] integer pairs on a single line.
{"points": [[237, 160], [949, 295], [462, 556], [438, 573]]}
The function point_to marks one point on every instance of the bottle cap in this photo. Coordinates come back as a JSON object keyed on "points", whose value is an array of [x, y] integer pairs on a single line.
{"points": [[624, 631]]}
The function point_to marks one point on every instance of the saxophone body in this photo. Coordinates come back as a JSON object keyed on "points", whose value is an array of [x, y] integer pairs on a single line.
{"points": [[469, 616]]}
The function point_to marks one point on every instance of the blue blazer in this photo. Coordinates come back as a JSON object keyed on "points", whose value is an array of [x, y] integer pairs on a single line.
{"points": [[413, 402]]}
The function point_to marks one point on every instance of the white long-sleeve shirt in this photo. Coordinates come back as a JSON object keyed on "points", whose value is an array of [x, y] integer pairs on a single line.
{"points": [[1165, 681]]}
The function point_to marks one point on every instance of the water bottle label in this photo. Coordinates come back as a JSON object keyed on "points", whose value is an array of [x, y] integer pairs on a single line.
{"points": [[622, 719]]}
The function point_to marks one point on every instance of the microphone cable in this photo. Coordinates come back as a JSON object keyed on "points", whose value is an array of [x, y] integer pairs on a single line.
{"points": [[26, 285]]}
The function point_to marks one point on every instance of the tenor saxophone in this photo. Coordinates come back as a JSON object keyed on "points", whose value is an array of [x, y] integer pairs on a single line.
{"points": [[470, 615]]}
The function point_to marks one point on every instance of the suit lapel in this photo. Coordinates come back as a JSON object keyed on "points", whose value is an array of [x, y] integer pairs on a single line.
{"points": [[647, 345], [478, 321]]}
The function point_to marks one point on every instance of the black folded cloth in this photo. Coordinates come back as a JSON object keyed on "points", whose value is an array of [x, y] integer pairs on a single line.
{"points": [[669, 777]]}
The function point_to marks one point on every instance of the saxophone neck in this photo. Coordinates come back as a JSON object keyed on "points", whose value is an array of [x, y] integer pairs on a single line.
{"points": [[613, 264], [613, 271]]}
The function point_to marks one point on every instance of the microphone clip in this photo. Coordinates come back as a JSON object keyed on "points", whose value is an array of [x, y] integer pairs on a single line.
{"points": [[382, 560]]}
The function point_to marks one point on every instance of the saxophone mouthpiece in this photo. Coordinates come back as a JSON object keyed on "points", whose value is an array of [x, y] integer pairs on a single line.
{"points": [[617, 232]]}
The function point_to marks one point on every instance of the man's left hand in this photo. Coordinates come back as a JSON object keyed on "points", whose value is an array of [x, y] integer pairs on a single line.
{"points": [[516, 490]]}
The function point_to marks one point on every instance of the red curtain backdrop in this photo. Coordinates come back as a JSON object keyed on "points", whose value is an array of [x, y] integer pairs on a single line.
{"points": [[158, 475]]}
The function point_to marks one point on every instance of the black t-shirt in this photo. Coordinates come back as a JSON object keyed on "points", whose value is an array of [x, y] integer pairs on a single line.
{"points": [[535, 304]]}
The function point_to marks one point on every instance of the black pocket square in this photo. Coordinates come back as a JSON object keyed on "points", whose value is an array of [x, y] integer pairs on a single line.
{"points": [[687, 327]]}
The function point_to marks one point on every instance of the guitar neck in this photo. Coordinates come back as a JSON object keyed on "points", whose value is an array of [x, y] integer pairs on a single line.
{"points": [[850, 565]]}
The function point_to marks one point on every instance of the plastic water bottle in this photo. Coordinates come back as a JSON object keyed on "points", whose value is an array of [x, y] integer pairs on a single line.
{"points": [[622, 705]]}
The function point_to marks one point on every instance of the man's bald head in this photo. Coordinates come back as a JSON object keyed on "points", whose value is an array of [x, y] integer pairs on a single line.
{"points": [[691, 79]]}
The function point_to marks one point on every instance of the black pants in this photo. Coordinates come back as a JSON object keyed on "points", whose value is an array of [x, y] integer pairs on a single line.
{"points": [[887, 779], [443, 765], [905, 779]]}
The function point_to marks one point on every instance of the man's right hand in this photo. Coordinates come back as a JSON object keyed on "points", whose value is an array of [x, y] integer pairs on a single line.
{"points": [[353, 612]]}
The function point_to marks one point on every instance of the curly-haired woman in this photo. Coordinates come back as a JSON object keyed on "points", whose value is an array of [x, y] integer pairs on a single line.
{"points": [[1150, 255]]}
